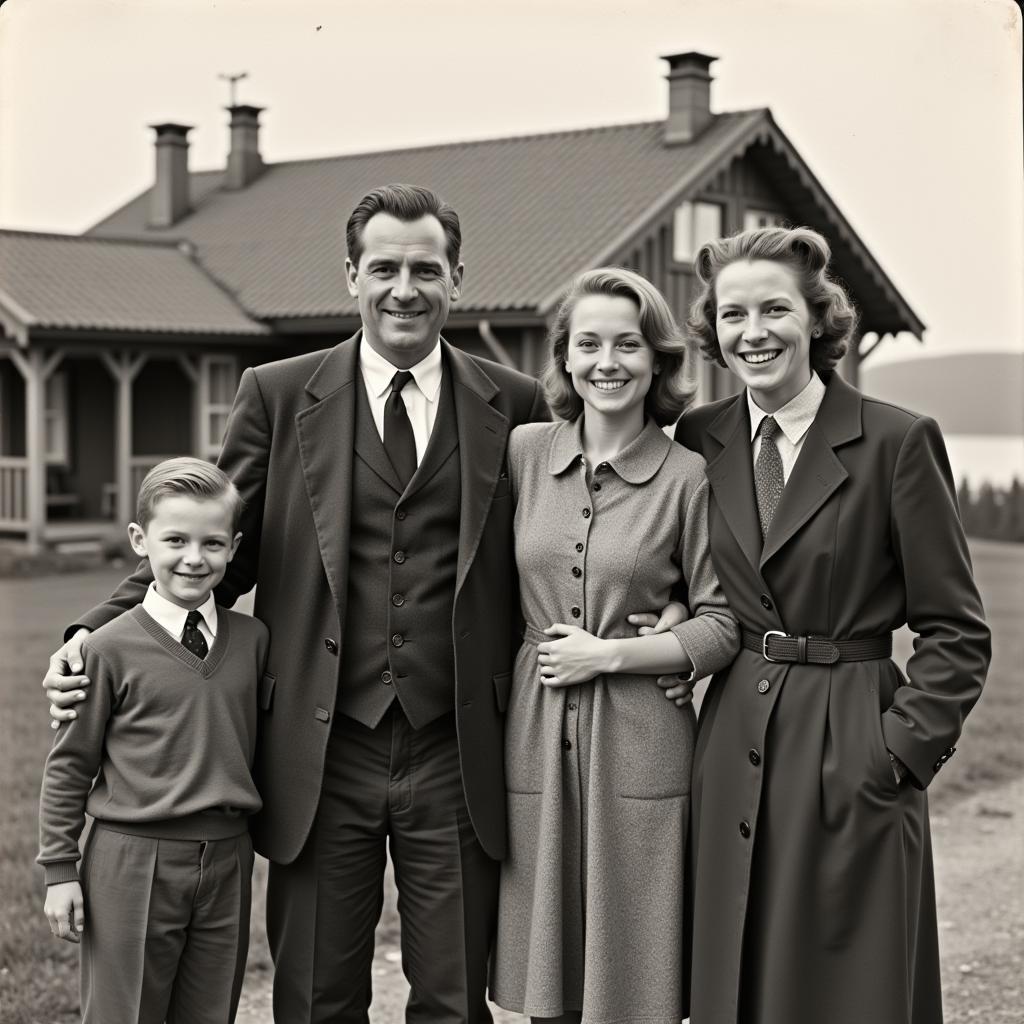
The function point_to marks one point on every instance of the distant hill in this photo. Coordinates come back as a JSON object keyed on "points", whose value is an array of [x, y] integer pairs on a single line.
{"points": [[967, 394]]}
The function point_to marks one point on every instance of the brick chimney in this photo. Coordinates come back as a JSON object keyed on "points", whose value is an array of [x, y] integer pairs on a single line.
{"points": [[689, 96], [245, 164], [169, 197]]}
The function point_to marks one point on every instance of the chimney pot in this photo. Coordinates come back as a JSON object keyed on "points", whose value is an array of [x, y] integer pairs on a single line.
{"points": [[245, 164], [689, 96], [169, 197]]}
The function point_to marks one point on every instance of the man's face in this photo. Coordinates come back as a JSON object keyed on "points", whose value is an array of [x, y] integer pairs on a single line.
{"points": [[404, 284]]}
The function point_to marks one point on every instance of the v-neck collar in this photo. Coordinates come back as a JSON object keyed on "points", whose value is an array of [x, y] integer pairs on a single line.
{"points": [[204, 666]]}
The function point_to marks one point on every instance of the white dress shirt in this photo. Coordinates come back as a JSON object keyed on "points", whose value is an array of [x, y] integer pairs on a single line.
{"points": [[794, 420], [172, 616], [420, 394]]}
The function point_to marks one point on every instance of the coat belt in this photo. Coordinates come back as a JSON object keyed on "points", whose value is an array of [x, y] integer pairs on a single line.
{"points": [[815, 650]]}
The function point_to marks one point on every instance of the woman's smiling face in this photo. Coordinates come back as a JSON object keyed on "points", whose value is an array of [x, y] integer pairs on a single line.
{"points": [[764, 329]]}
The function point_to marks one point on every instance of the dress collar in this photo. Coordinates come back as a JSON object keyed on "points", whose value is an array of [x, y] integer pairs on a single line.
{"points": [[635, 464]]}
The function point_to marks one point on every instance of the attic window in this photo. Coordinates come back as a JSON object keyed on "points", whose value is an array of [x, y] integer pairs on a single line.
{"points": [[753, 219], [695, 223]]}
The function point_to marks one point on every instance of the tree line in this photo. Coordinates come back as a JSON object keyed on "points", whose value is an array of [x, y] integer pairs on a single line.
{"points": [[992, 513]]}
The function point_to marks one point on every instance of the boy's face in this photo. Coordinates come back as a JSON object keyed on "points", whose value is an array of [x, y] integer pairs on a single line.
{"points": [[188, 543]]}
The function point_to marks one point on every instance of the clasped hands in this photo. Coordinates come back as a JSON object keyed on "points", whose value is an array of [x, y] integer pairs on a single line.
{"points": [[575, 656]]}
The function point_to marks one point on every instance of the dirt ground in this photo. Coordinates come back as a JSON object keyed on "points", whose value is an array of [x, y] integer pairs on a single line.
{"points": [[979, 863]]}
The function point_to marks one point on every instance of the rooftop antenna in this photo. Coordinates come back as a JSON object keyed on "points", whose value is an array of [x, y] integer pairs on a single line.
{"points": [[233, 81]]}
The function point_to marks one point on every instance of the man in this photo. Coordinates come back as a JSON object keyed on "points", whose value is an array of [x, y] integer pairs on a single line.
{"points": [[378, 530]]}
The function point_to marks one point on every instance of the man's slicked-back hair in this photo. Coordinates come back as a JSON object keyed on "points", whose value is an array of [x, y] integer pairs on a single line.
{"points": [[191, 478], [405, 203]]}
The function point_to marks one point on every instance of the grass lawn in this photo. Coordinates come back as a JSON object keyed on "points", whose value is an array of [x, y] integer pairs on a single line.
{"points": [[38, 974]]}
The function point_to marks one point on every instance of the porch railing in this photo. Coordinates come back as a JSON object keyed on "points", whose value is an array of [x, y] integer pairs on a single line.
{"points": [[13, 492]]}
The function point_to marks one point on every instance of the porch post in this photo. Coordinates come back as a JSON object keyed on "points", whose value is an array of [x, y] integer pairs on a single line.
{"points": [[35, 367], [190, 367], [124, 368]]}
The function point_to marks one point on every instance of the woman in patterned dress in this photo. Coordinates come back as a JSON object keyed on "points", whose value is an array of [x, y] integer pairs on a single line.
{"points": [[611, 515]]}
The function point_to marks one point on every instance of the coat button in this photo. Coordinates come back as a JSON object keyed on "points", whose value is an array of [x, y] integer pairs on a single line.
{"points": [[386, 677], [398, 640], [577, 571], [766, 602], [398, 600], [331, 645], [586, 513], [579, 547], [400, 514], [575, 612], [322, 715], [763, 686], [567, 744], [755, 757], [745, 829], [399, 557]]}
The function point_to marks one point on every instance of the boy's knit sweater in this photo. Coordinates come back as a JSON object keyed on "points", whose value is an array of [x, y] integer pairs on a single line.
{"points": [[168, 737]]}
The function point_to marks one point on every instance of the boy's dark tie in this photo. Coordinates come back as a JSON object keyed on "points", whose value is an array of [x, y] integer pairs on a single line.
{"points": [[399, 442], [191, 639], [768, 478]]}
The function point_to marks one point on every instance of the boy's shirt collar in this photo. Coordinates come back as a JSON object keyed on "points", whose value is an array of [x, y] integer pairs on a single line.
{"points": [[172, 617]]}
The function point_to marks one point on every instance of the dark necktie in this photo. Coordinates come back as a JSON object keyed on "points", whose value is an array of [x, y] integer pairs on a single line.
{"points": [[399, 442], [768, 478], [191, 639]]}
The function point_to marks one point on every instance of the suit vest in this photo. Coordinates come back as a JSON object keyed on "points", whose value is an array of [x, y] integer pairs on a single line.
{"points": [[403, 556]]}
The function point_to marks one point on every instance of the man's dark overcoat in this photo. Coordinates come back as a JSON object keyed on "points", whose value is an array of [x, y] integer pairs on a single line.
{"points": [[289, 450], [813, 887]]}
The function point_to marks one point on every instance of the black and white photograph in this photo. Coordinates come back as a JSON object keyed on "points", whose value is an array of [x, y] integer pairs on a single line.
{"points": [[511, 512]]}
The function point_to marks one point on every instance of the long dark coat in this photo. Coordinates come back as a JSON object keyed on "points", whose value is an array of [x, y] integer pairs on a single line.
{"points": [[813, 888]]}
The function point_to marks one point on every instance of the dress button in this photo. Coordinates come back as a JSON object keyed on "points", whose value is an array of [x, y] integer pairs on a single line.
{"points": [[755, 757], [386, 677], [577, 571], [572, 707], [575, 611], [602, 467], [763, 686], [398, 640], [399, 557], [766, 602], [400, 513], [331, 645], [745, 829], [567, 744], [597, 486], [398, 600], [579, 547], [586, 513]]}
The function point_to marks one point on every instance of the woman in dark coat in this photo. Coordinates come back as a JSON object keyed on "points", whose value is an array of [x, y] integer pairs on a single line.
{"points": [[832, 524]]}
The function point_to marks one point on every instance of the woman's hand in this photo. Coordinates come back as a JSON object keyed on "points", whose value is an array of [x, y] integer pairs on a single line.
{"points": [[671, 615], [677, 688], [575, 658]]}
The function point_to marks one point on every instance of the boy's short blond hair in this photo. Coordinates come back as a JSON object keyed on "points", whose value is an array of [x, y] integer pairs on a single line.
{"points": [[191, 477]]}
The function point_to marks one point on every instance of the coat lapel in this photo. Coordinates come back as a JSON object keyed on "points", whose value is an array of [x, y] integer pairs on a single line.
{"points": [[325, 437], [731, 476], [818, 471], [483, 435]]}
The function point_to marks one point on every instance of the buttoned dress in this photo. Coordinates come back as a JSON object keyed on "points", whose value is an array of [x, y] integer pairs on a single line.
{"points": [[598, 774]]}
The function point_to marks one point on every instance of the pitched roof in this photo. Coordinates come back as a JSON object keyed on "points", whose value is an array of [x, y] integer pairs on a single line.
{"points": [[66, 281], [542, 207]]}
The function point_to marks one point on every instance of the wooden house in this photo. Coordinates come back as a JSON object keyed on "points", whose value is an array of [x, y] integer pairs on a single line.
{"points": [[124, 345]]}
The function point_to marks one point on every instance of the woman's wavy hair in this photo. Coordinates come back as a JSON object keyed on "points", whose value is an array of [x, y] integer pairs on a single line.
{"points": [[671, 390], [807, 254]]}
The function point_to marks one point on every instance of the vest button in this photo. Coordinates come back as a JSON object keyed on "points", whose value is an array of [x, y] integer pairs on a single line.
{"points": [[567, 744], [398, 640], [331, 645], [763, 686], [766, 602], [400, 514], [745, 829], [322, 715], [398, 600], [386, 677], [399, 557], [577, 571], [575, 612], [755, 757]]}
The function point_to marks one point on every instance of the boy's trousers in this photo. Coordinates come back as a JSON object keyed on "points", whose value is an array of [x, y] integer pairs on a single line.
{"points": [[166, 928]]}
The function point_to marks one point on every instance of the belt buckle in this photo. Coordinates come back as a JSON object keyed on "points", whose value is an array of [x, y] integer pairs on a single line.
{"points": [[764, 644]]}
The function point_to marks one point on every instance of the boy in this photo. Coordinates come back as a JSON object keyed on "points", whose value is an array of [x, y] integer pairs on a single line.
{"points": [[162, 904]]}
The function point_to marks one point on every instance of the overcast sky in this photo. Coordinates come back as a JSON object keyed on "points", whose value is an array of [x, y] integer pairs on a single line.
{"points": [[908, 111]]}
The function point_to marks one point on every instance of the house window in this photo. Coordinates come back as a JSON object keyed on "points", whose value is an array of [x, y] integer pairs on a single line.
{"points": [[753, 219], [55, 418], [695, 223], [218, 382]]}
